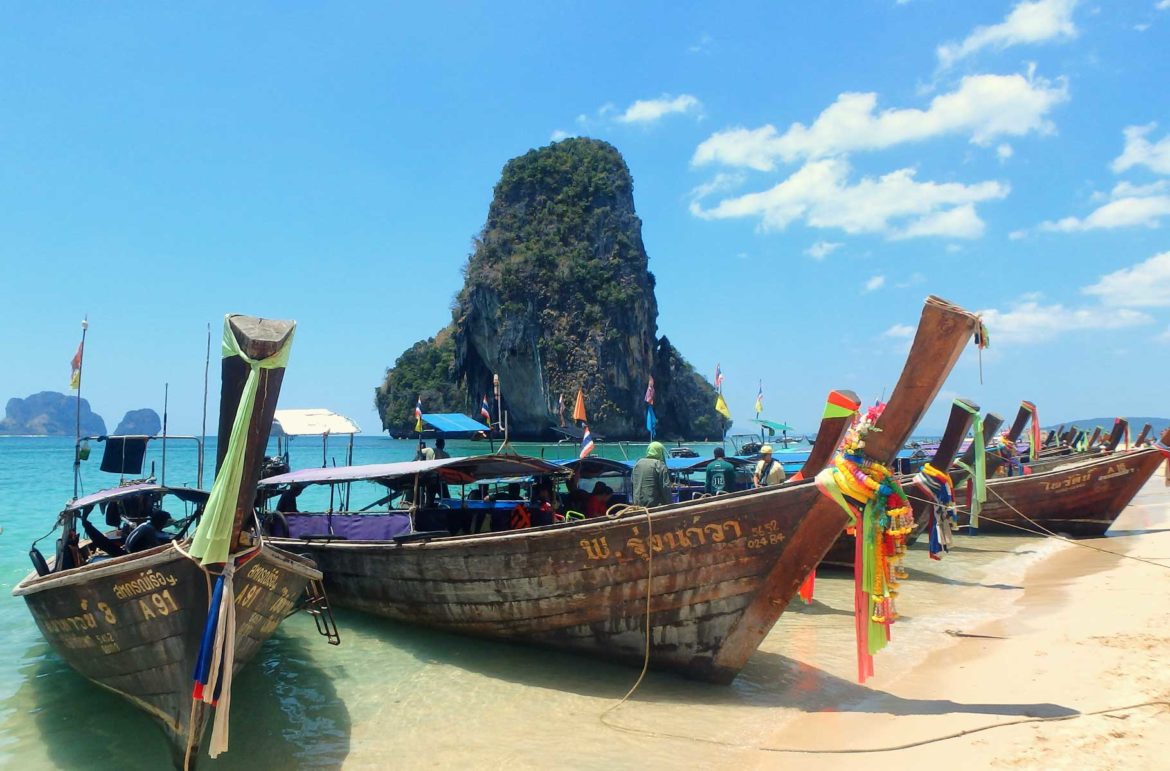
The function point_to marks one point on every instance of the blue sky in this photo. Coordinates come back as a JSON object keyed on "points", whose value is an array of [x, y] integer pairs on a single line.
{"points": [[806, 174]]}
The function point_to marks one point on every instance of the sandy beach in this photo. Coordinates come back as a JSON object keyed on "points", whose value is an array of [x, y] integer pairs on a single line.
{"points": [[1089, 632]]}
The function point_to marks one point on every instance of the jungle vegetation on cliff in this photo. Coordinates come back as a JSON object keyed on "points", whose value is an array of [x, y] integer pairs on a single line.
{"points": [[557, 296]]}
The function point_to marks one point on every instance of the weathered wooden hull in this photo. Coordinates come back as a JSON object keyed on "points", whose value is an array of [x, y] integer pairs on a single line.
{"points": [[1081, 499], [134, 624], [724, 568]]}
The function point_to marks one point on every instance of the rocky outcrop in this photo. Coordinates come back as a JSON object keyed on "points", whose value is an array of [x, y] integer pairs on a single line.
{"points": [[557, 297], [143, 422], [49, 414]]}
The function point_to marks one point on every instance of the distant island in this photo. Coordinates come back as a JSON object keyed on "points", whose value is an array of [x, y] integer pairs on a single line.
{"points": [[144, 422], [557, 297], [49, 414]]}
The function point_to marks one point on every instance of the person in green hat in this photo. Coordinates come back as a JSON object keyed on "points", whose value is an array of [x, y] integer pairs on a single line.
{"points": [[651, 479]]}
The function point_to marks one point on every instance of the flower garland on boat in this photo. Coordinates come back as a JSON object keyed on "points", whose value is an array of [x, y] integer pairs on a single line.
{"points": [[881, 518]]}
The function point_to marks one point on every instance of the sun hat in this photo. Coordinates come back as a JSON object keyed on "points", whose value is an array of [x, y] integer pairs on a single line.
{"points": [[766, 449]]}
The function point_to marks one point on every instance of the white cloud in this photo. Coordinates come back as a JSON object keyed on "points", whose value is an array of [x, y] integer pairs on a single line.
{"points": [[651, 110], [1028, 22], [1140, 152], [1030, 322], [895, 205], [875, 283], [822, 249], [559, 134], [720, 183], [983, 107], [702, 46], [1122, 213], [1163, 5], [954, 248], [1165, 336], [1145, 285], [1004, 151], [899, 330]]}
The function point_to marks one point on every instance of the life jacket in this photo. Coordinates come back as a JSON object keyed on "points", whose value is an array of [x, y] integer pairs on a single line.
{"points": [[521, 517]]}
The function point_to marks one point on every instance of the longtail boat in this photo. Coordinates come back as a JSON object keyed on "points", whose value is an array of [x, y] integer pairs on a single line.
{"points": [[712, 575], [137, 623], [1080, 497], [922, 493]]}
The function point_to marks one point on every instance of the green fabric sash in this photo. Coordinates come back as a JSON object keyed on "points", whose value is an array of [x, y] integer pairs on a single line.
{"points": [[212, 542], [978, 475]]}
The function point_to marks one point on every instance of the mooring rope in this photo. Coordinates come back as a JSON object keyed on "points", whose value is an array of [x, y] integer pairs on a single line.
{"points": [[617, 511]]}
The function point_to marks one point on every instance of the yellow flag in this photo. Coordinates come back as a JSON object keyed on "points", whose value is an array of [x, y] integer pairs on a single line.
{"points": [[721, 406]]}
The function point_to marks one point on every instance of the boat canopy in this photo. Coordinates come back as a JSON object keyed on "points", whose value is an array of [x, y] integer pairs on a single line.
{"points": [[773, 425], [452, 423], [451, 470], [188, 494], [591, 467], [312, 422]]}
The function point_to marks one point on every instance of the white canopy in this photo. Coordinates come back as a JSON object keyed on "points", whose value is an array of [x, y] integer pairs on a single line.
{"points": [[315, 422]]}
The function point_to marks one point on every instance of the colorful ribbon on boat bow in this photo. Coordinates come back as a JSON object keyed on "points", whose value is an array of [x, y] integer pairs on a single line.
{"points": [[941, 490], [880, 529], [977, 476]]}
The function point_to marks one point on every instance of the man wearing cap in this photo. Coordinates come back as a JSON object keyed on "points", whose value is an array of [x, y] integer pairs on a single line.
{"points": [[768, 471]]}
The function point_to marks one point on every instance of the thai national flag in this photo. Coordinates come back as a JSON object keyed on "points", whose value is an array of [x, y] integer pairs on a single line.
{"points": [[650, 391], [484, 411], [418, 424], [586, 443], [718, 377]]}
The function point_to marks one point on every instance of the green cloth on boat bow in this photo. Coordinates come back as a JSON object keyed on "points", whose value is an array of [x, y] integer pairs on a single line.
{"points": [[978, 475], [212, 541]]}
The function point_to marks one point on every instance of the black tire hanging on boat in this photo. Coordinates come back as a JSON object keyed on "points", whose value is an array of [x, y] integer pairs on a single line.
{"points": [[276, 525], [38, 561]]}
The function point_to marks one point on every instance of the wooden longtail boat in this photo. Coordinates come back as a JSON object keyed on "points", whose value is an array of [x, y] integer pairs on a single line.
{"points": [[134, 624], [843, 551], [1080, 498], [1105, 446], [723, 568]]}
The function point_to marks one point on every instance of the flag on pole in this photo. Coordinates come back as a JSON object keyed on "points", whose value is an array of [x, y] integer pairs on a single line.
{"points": [[760, 399], [718, 378], [75, 375], [485, 411], [650, 391], [561, 408], [586, 443], [579, 407], [721, 406], [418, 426], [651, 420]]}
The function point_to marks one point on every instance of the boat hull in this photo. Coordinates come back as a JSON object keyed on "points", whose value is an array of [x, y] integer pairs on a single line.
{"points": [[1080, 499], [133, 625], [723, 570]]}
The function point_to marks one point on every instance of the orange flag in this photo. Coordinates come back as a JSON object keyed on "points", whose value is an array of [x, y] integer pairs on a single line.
{"points": [[579, 407]]}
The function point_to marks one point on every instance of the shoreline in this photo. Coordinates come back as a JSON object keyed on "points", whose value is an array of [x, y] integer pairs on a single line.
{"points": [[1085, 634]]}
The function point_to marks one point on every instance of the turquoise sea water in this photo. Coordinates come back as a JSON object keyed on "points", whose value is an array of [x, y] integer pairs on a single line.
{"points": [[393, 695]]}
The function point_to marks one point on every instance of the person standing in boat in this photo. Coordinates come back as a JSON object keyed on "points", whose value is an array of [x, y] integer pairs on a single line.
{"points": [[651, 479], [720, 475], [768, 470], [424, 452]]}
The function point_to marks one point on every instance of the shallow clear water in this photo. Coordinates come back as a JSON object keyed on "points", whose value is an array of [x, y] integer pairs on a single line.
{"points": [[392, 694]]}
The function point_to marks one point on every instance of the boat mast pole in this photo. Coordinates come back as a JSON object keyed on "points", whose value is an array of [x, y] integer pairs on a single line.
{"points": [[203, 438], [166, 397], [77, 421]]}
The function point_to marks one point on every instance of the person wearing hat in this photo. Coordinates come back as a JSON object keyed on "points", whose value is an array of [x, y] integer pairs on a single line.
{"points": [[768, 470], [651, 479]]}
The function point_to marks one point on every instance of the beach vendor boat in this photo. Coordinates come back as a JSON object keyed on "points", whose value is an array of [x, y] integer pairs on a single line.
{"points": [[159, 627], [1081, 497], [693, 587]]}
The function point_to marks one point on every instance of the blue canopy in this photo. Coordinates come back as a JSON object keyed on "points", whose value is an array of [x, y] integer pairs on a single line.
{"points": [[452, 423]]}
